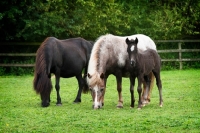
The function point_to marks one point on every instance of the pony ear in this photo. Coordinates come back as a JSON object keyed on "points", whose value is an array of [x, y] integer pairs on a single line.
{"points": [[89, 76], [136, 40], [102, 76], [127, 41]]}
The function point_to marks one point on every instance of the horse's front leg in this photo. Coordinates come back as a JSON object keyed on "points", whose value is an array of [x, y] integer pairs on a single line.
{"points": [[132, 84], [103, 93], [81, 83], [139, 89], [119, 89], [57, 86]]}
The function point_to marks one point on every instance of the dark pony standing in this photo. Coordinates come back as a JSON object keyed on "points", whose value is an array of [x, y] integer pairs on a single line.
{"points": [[143, 63], [64, 58]]}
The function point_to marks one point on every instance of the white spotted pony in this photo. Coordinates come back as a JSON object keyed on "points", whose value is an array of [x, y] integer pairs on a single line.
{"points": [[109, 56]]}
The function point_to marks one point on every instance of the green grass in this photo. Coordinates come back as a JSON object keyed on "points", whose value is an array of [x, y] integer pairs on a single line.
{"points": [[20, 109]]}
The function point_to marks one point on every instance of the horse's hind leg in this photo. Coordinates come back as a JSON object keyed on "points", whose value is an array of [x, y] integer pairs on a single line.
{"points": [[159, 85], [145, 92], [119, 89], [57, 86], [147, 88], [81, 84], [151, 76]]}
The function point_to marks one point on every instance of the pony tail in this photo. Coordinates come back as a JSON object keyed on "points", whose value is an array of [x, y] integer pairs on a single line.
{"points": [[88, 47], [42, 82]]}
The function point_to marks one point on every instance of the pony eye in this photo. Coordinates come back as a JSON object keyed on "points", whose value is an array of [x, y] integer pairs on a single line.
{"points": [[101, 89]]}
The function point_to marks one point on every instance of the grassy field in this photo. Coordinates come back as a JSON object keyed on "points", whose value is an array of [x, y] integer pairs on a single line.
{"points": [[20, 109]]}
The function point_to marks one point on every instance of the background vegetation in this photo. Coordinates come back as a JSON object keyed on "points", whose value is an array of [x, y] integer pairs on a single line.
{"points": [[34, 20], [21, 110]]}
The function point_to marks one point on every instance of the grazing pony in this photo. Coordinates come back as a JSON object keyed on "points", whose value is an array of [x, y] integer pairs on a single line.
{"points": [[109, 56], [143, 63], [64, 58]]}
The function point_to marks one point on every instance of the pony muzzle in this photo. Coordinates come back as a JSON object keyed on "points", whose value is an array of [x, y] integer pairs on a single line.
{"points": [[97, 105], [132, 62]]}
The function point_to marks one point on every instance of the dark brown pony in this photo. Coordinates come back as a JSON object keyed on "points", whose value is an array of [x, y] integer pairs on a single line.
{"points": [[142, 64], [64, 58]]}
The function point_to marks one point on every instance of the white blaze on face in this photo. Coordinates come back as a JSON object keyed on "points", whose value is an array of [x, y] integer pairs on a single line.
{"points": [[132, 48], [96, 103]]}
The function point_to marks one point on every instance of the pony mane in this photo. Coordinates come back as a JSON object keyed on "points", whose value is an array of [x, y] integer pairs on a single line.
{"points": [[95, 79], [40, 72], [102, 46], [94, 57], [94, 60], [41, 57]]}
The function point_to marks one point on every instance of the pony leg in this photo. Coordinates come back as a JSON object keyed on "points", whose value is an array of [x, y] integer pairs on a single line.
{"points": [[57, 86], [159, 85], [145, 92], [102, 98], [80, 85], [132, 84], [139, 89], [151, 75], [119, 89]]}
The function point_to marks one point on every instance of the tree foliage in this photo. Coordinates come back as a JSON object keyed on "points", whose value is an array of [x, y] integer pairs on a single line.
{"points": [[35, 20]]}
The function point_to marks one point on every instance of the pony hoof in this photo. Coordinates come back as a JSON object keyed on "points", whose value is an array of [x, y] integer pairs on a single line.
{"points": [[119, 107], [139, 108], [77, 101], [161, 106], [131, 107], [59, 104], [146, 102]]}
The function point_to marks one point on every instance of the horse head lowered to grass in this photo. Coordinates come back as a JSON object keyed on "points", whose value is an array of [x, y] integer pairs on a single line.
{"points": [[142, 64], [64, 58], [109, 56]]}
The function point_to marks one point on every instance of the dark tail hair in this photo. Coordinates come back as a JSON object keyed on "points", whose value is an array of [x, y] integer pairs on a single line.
{"points": [[42, 81], [88, 48], [86, 87]]}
